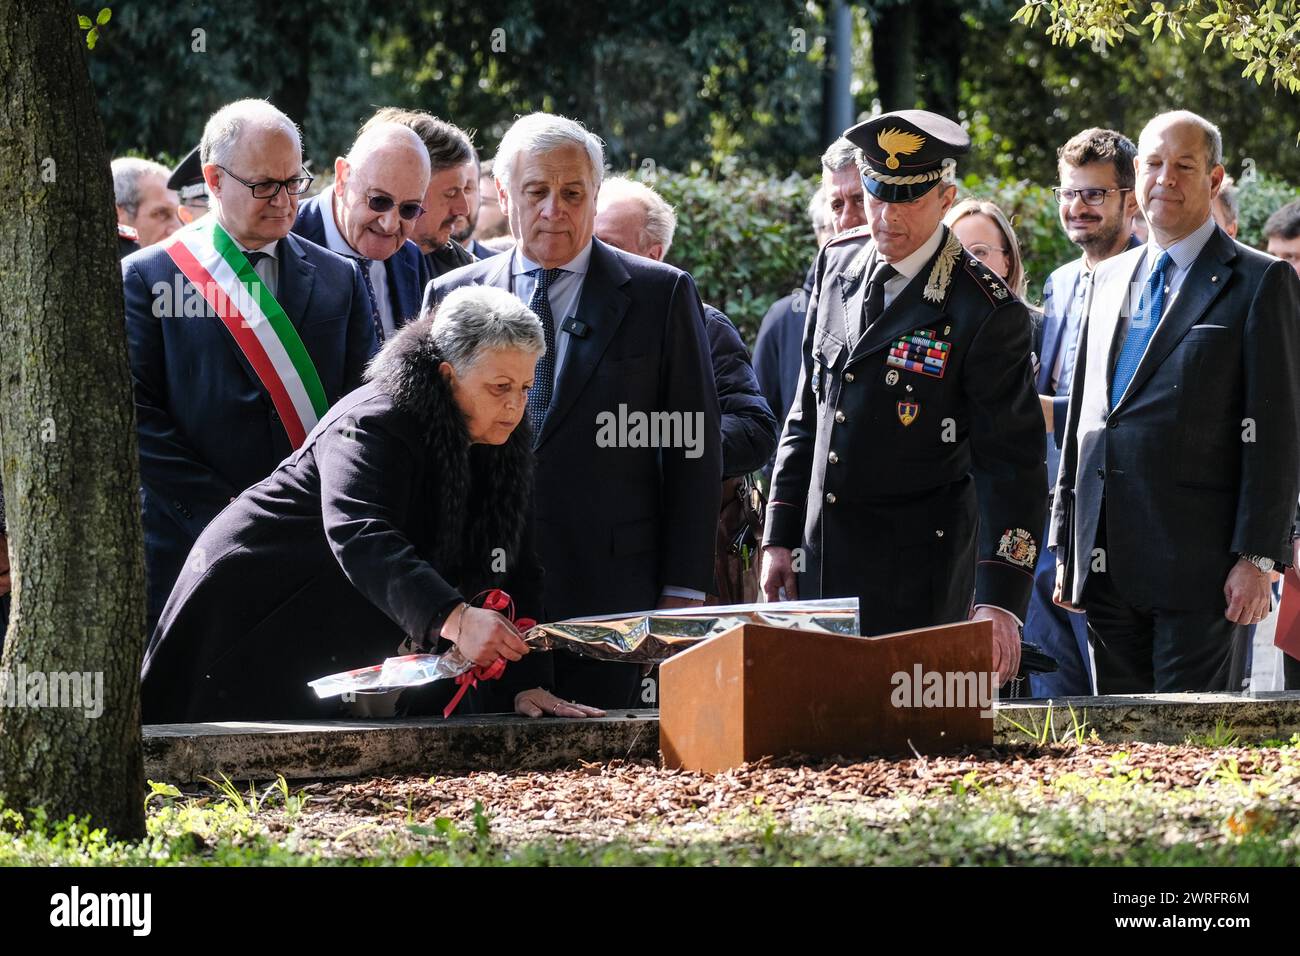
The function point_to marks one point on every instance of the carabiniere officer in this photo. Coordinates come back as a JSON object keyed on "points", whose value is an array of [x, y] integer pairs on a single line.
{"points": [[910, 471]]}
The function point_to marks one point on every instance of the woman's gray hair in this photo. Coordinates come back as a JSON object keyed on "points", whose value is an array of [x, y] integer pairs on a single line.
{"points": [[541, 133], [225, 127], [473, 319]]}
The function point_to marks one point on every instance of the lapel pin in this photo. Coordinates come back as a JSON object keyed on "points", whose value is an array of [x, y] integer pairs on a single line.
{"points": [[891, 377], [575, 328], [1214, 278]]}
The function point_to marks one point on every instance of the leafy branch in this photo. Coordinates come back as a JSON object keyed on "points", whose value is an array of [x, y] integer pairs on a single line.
{"points": [[1264, 35], [92, 27]]}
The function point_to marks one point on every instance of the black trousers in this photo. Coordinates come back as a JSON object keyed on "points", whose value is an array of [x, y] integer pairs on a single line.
{"points": [[1144, 650]]}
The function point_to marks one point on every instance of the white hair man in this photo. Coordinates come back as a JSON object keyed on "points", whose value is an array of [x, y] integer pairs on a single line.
{"points": [[144, 203], [370, 215], [626, 518], [240, 336]]}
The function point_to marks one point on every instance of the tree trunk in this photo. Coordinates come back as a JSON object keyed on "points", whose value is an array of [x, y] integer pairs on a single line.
{"points": [[940, 58], [67, 442], [893, 56]]}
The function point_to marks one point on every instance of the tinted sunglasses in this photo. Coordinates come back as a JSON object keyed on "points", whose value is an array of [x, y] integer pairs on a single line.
{"points": [[407, 210]]}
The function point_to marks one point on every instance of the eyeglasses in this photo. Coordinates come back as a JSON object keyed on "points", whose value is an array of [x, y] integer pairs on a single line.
{"points": [[270, 188], [981, 252], [1092, 196], [407, 210]]}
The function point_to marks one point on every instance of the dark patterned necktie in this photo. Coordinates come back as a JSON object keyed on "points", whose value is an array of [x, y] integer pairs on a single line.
{"points": [[876, 295], [254, 258], [375, 320], [539, 399]]}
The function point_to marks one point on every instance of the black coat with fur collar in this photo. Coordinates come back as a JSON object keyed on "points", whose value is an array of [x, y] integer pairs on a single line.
{"points": [[368, 534]]}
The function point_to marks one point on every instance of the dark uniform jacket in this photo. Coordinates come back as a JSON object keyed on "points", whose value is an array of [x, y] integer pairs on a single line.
{"points": [[369, 534], [1200, 460], [914, 491]]}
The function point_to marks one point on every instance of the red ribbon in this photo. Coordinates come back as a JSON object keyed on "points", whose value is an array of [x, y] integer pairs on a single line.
{"points": [[501, 602]]}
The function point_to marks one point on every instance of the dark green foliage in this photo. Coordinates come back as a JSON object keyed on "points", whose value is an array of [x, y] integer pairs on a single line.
{"points": [[745, 237]]}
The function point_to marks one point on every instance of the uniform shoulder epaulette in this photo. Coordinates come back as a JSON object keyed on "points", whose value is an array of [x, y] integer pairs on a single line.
{"points": [[857, 232], [127, 232], [990, 283], [858, 263]]}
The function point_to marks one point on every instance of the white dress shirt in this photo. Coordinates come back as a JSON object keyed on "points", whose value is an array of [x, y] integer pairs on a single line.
{"points": [[268, 269], [909, 267], [1182, 253], [564, 293]]}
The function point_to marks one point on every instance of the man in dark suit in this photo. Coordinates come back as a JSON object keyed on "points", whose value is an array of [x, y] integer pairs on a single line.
{"points": [[369, 215], [910, 473], [210, 422], [625, 518], [1181, 461], [1097, 205]]}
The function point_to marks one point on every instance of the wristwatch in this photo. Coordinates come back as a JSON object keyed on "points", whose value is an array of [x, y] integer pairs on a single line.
{"points": [[1264, 564]]}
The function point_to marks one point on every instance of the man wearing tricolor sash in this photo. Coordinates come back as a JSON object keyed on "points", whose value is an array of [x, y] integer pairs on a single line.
{"points": [[241, 336]]}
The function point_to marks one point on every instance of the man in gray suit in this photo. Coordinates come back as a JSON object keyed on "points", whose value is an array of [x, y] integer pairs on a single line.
{"points": [[1181, 460]]}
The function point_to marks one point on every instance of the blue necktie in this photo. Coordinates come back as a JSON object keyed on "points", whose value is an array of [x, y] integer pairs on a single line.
{"points": [[539, 399], [375, 320], [1141, 327]]}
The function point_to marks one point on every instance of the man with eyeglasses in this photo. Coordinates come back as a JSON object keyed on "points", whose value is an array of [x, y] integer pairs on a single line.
{"points": [[370, 215], [240, 336], [1097, 203], [1180, 464], [447, 200]]}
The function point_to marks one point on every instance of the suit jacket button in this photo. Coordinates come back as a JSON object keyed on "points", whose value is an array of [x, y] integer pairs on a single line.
{"points": [[1111, 423], [839, 416], [830, 497], [833, 458], [848, 376], [275, 416], [1101, 472]]}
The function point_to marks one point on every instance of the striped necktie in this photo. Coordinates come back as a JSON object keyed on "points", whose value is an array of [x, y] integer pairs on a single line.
{"points": [[1141, 327], [539, 399], [375, 320]]}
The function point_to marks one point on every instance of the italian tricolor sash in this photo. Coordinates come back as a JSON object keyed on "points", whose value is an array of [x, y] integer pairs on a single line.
{"points": [[210, 259]]}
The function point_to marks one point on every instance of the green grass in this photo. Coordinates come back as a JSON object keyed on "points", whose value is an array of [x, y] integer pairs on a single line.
{"points": [[1113, 815]]}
